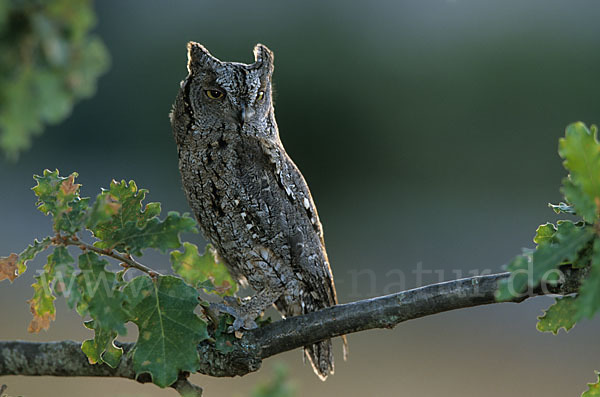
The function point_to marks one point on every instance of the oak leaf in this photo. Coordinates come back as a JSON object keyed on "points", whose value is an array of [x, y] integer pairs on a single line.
{"points": [[68, 186], [41, 305], [8, 267]]}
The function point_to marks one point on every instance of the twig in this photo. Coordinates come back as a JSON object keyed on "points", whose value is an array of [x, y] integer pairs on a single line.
{"points": [[127, 260]]}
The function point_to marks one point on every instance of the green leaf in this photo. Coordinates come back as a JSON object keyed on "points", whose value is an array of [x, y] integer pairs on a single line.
{"points": [[30, 253], [63, 273], [162, 235], [562, 314], [102, 211], [593, 388], [569, 239], [553, 250], [584, 256], [132, 227], [169, 330], [59, 196], [581, 153], [58, 261], [516, 283], [101, 297], [101, 349], [583, 204], [47, 188], [197, 269], [73, 220], [127, 200], [544, 233], [588, 301]]}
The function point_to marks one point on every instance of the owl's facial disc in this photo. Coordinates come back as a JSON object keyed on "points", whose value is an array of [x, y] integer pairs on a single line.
{"points": [[232, 95]]}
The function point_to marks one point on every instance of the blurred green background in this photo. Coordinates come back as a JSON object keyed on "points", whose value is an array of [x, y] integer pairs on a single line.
{"points": [[427, 131]]}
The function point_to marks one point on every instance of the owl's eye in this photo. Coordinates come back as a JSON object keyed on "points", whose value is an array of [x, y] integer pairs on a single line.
{"points": [[260, 96], [214, 94]]}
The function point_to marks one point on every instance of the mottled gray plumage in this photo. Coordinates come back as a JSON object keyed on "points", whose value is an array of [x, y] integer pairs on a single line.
{"points": [[250, 199]]}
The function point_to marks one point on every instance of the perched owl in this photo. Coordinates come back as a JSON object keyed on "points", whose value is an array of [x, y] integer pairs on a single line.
{"points": [[250, 199]]}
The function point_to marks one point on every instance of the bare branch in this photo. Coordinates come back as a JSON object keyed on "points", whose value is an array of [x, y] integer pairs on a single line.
{"points": [[66, 358], [390, 310], [126, 260]]}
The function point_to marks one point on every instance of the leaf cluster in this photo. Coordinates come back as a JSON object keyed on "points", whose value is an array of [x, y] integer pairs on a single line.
{"points": [[574, 242], [570, 242], [163, 307], [48, 61]]}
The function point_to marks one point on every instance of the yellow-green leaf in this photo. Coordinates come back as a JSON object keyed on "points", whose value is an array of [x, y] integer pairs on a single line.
{"points": [[562, 314], [544, 233], [593, 388], [196, 269], [30, 252], [102, 349]]}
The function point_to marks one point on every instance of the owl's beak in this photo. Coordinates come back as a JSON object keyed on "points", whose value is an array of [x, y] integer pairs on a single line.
{"points": [[245, 114]]}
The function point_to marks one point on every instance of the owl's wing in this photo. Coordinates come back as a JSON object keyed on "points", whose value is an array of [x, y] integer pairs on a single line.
{"points": [[300, 219], [293, 214]]}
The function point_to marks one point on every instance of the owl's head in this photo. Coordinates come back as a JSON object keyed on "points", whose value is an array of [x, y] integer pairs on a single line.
{"points": [[230, 95]]}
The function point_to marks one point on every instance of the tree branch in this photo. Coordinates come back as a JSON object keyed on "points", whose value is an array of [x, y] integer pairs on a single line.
{"points": [[66, 358], [126, 260], [390, 310]]}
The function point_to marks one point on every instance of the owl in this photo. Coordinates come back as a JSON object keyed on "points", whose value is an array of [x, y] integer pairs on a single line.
{"points": [[250, 199]]}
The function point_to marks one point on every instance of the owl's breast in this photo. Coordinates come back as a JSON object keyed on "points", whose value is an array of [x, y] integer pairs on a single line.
{"points": [[231, 190], [264, 226]]}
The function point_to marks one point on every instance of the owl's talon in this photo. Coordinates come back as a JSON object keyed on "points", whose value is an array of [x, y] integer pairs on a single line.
{"points": [[244, 322], [243, 318]]}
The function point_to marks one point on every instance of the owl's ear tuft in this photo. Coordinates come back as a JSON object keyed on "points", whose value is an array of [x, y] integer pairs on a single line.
{"points": [[199, 57], [264, 57]]}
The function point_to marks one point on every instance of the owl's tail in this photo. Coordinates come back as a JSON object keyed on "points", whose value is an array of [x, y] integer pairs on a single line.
{"points": [[320, 356]]}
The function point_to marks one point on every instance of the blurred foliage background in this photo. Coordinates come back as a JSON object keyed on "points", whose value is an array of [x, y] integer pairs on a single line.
{"points": [[427, 131], [48, 61]]}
